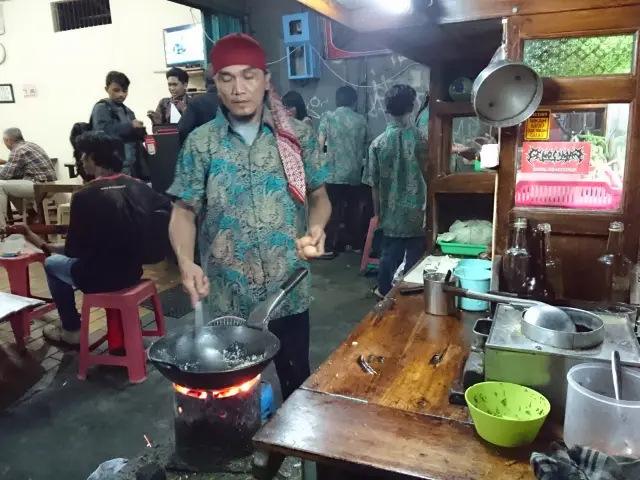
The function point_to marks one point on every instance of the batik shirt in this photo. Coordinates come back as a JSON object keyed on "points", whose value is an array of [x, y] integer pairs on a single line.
{"points": [[394, 170], [346, 139], [248, 219]]}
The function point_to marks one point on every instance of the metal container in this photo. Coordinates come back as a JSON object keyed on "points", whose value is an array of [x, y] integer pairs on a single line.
{"points": [[512, 357], [436, 300], [590, 335], [506, 92]]}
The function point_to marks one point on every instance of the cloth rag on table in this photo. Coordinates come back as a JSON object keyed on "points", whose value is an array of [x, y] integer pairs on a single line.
{"points": [[582, 463]]}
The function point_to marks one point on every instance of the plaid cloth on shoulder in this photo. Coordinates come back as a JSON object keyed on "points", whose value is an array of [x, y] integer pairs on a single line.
{"points": [[582, 463], [28, 161]]}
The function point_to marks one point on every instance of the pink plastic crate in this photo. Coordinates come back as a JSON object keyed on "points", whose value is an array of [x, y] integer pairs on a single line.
{"points": [[569, 191]]}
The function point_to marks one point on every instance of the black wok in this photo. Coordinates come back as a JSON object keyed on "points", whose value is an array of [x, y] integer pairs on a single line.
{"points": [[259, 345], [241, 353]]}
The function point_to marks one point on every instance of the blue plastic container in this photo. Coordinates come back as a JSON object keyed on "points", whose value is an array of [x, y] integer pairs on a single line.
{"points": [[475, 264], [477, 280]]}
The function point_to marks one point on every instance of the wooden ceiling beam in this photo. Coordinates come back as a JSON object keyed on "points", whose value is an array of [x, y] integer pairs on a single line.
{"points": [[452, 11]]}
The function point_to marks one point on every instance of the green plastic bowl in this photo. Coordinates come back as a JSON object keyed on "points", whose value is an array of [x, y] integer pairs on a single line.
{"points": [[506, 414]]}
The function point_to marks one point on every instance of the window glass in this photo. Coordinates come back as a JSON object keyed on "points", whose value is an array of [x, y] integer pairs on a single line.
{"points": [[573, 159], [581, 56], [469, 133]]}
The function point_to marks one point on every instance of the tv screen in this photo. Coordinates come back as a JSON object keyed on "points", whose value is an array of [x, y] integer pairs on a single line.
{"points": [[184, 46]]}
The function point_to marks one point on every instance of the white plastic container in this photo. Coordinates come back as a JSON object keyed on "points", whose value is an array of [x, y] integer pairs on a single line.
{"points": [[594, 418]]}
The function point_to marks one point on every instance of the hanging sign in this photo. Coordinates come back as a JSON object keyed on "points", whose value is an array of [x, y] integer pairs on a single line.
{"points": [[556, 157], [538, 126]]}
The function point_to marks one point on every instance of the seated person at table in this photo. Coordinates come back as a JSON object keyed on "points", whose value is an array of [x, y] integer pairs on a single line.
{"points": [[170, 109], [398, 187], [27, 164], [108, 233]]}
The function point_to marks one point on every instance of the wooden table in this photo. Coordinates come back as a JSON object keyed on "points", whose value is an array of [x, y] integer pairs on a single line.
{"points": [[400, 421], [42, 190]]}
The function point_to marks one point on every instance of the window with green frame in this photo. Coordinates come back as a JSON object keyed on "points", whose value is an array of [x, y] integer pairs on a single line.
{"points": [[219, 25], [581, 56]]}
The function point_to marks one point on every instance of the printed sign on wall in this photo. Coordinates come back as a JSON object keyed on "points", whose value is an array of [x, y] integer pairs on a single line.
{"points": [[556, 157], [538, 126]]}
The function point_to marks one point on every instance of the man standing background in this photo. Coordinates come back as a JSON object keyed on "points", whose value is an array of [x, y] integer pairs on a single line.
{"points": [[399, 191], [113, 117], [254, 180], [27, 164], [170, 109], [344, 134]]}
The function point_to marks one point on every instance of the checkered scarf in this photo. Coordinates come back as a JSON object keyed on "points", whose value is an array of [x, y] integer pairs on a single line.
{"points": [[289, 148], [582, 463]]}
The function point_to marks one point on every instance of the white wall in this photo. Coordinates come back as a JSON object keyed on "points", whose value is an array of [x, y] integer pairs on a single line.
{"points": [[69, 68]]}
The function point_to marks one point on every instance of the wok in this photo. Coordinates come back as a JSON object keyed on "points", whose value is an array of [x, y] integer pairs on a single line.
{"points": [[246, 351]]}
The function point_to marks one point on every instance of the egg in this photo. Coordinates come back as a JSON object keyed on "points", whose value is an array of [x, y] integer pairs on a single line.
{"points": [[310, 251]]}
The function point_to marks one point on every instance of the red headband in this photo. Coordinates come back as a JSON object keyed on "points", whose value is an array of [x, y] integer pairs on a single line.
{"points": [[237, 49]]}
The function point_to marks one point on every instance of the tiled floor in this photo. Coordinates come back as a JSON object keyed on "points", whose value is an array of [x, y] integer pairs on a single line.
{"points": [[19, 372]]}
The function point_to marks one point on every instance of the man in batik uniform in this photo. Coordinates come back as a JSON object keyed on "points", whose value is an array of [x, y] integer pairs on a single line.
{"points": [[344, 133], [394, 171], [253, 179]]}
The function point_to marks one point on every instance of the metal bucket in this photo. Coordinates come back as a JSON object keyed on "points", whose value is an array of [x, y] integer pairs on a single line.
{"points": [[436, 300]]}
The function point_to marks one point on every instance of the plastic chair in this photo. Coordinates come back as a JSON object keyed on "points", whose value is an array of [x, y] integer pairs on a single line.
{"points": [[123, 329], [19, 284], [366, 259]]}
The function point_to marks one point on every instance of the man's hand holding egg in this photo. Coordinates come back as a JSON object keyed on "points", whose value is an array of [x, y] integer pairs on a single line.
{"points": [[312, 244]]}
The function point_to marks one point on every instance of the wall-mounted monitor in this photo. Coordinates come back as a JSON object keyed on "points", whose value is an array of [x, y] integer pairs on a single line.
{"points": [[184, 46]]}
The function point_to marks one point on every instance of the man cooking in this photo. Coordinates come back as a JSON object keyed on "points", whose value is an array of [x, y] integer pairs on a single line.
{"points": [[254, 178]]}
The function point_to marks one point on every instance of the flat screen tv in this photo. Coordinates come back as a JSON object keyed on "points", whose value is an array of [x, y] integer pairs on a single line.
{"points": [[184, 46]]}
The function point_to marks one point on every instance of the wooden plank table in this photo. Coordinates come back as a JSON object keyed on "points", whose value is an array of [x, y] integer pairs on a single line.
{"points": [[398, 422], [42, 190]]}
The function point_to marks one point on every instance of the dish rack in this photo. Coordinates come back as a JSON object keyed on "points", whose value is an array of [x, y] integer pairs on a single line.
{"points": [[569, 191]]}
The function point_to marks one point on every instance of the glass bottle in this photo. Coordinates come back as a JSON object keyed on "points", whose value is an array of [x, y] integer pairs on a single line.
{"points": [[615, 267], [634, 296], [515, 262], [538, 286], [554, 263]]}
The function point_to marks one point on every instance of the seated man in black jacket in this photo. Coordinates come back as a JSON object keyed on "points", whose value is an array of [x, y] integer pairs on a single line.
{"points": [[103, 249]]}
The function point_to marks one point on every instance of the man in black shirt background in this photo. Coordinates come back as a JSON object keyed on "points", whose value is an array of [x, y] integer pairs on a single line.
{"points": [[200, 110], [108, 233]]}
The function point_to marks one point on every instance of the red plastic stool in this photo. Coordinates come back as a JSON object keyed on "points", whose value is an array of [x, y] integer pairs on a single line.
{"points": [[123, 329], [366, 259], [18, 272]]}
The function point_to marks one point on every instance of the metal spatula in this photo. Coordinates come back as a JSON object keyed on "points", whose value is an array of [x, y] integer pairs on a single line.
{"points": [[259, 316]]}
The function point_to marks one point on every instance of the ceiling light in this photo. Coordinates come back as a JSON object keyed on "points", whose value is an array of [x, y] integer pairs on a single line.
{"points": [[395, 6]]}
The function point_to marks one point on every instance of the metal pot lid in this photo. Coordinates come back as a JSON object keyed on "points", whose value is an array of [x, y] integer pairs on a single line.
{"points": [[506, 93], [590, 331]]}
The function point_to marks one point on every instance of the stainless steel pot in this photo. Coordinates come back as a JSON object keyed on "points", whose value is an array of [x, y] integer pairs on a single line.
{"points": [[436, 300], [590, 335], [440, 295]]}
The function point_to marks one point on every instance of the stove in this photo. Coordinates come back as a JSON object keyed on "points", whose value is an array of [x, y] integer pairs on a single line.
{"points": [[213, 427], [512, 357]]}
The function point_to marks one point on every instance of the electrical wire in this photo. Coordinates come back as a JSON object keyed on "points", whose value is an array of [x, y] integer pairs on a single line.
{"points": [[315, 50]]}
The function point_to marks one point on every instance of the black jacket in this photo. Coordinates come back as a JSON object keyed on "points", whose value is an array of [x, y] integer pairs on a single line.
{"points": [[200, 110], [108, 232]]}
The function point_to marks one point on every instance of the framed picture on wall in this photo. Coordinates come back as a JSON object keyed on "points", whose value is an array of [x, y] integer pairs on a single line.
{"points": [[6, 93]]}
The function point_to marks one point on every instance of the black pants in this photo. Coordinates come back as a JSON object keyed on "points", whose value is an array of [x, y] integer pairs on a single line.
{"points": [[347, 210], [292, 361]]}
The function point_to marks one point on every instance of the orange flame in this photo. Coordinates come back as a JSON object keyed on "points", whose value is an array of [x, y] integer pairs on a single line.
{"points": [[224, 393]]}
